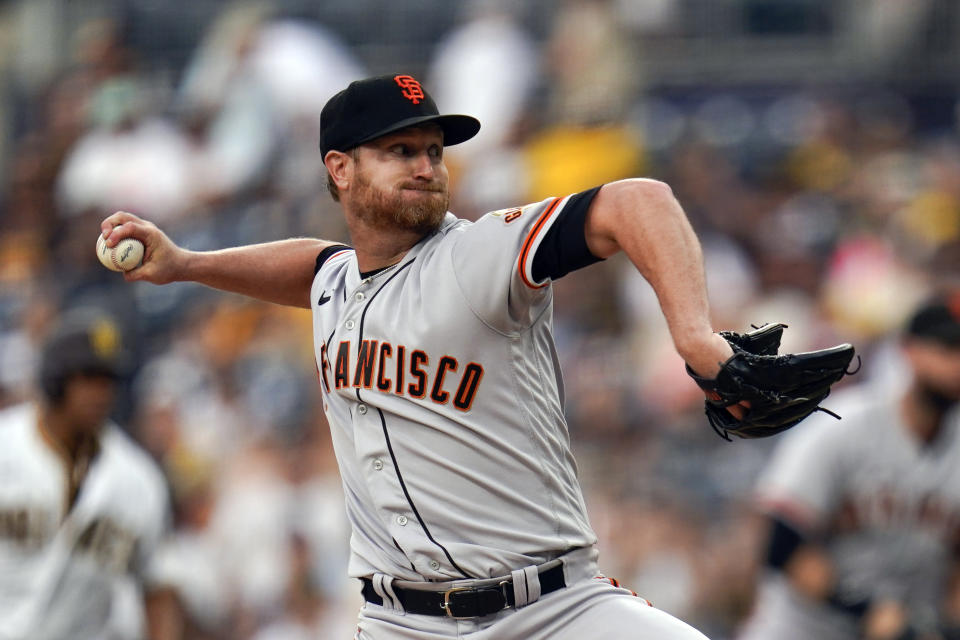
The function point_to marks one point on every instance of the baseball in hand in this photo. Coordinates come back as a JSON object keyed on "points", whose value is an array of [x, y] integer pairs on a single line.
{"points": [[126, 255]]}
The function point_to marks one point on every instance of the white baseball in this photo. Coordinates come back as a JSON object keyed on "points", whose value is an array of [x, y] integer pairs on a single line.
{"points": [[126, 255]]}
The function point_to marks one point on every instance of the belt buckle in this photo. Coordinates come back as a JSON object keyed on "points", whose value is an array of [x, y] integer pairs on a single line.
{"points": [[446, 602], [448, 599]]}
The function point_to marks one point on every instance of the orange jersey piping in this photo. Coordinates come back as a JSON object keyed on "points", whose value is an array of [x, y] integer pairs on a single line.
{"points": [[531, 238]]}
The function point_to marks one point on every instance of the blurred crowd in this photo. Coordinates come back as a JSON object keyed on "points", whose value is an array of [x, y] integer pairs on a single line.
{"points": [[833, 209]]}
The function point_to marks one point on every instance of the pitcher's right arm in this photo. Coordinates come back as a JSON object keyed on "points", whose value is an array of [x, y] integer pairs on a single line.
{"points": [[280, 272]]}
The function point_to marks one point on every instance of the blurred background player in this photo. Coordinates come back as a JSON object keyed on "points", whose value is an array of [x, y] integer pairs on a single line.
{"points": [[82, 507], [864, 514]]}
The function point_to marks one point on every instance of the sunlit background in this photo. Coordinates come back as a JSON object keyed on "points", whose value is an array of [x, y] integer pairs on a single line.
{"points": [[813, 143]]}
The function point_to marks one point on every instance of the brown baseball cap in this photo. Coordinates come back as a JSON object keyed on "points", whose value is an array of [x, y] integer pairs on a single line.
{"points": [[374, 107]]}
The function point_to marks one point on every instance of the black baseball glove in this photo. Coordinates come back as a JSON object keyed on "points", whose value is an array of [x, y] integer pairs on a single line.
{"points": [[781, 390]]}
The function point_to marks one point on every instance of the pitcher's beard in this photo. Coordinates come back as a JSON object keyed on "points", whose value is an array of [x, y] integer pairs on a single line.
{"points": [[391, 212], [935, 399]]}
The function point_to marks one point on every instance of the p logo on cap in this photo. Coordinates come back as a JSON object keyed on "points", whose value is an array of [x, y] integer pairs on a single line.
{"points": [[105, 339], [412, 90]]}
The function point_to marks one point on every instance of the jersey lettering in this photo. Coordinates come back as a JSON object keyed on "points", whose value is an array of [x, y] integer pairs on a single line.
{"points": [[437, 394], [108, 542], [363, 375], [27, 527], [373, 367], [341, 378], [401, 367], [385, 352], [418, 389], [401, 353], [324, 365], [887, 509], [472, 375]]}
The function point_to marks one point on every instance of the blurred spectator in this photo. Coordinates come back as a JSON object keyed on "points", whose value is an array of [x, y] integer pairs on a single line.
{"points": [[592, 75], [487, 58], [130, 159], [569, 157], [869, 289], [52, 129], [303, 608], [592, 66], [20, 346], [191, 561], [882, 33], [250, 85]]}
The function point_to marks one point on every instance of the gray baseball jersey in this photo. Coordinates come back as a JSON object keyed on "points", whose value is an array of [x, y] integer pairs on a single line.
{"points": [[443, 392], [887, 506], [59, 567]]}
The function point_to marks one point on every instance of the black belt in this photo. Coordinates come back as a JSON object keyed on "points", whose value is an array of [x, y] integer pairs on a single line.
{"points": [[464, 602]]}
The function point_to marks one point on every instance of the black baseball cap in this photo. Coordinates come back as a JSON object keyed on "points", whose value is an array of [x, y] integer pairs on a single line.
{"points": [[937, 320], [374, 107]]}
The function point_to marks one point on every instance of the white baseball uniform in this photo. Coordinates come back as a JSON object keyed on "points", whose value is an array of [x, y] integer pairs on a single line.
{"points": [[442, 388], [885, 506], [60, 565]]}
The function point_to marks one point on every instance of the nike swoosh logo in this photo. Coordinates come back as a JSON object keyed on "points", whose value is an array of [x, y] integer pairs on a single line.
{"points": [[323, 297]]}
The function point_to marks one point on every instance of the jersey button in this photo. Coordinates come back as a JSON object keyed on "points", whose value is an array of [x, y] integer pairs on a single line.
{"points": [[402, 521], [349, 324], [378, 464], [359, 296], [434, 565], [362, 409]]}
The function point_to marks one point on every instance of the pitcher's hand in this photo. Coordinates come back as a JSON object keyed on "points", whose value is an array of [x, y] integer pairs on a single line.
{"points": [[163, 261]]}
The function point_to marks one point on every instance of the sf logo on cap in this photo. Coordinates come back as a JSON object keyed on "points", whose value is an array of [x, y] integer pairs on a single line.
{"points": [[412, 90]]}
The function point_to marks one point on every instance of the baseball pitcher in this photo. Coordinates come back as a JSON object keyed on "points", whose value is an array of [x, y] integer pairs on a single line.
{"points": [[440, 379]]}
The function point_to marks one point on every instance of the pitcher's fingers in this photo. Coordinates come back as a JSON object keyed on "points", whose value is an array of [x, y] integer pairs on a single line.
{"points": [[136, 274], [131, 228], [739, 410], [115, 220]]}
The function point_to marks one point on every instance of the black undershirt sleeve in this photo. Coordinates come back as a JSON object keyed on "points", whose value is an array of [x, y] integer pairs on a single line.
{"points": [[326, 253], [784, 541], [564, 248]]}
